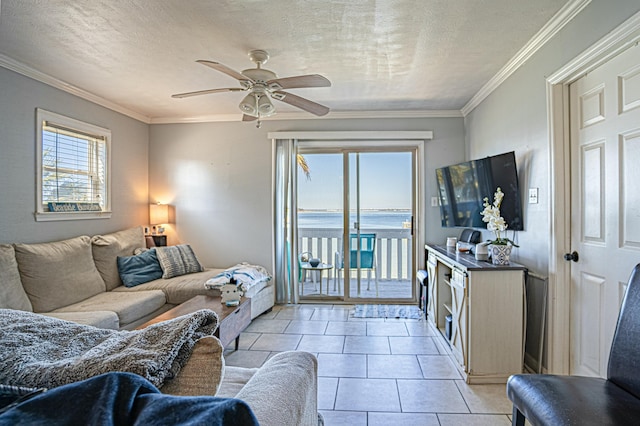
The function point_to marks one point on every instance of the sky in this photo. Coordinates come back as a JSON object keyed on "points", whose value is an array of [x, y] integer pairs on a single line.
{"points": [[385, 181]]}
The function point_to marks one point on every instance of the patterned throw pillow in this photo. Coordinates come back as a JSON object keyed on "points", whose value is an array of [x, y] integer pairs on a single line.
{"points": [[178, 260]]}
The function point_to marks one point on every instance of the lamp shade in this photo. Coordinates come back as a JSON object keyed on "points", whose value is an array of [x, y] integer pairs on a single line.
{"points": [[158, 214]]}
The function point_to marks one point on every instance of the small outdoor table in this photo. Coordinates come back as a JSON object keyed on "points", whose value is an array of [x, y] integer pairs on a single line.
{"points": [[306, 266]]}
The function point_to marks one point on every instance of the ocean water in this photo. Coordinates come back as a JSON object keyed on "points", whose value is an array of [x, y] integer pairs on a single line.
{"points": [[380, 219]]}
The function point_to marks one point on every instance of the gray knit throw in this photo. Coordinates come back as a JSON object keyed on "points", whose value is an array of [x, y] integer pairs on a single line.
{"points": [[40, 351]]}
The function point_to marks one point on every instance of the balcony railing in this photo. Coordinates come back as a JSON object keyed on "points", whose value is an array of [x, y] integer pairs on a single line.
{"points": [[393, 249]]}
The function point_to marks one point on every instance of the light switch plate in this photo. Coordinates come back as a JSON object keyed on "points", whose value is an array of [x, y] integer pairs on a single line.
{"points": [[435, 201], [533, 195]]}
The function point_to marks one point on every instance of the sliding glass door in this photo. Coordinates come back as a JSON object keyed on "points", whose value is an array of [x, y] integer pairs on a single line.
{"points": [[355, 221], [320, 218]]}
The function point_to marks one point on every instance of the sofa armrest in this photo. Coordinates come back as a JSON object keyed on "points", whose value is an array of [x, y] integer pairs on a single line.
{"points": [[202, 373], [284, 391]]}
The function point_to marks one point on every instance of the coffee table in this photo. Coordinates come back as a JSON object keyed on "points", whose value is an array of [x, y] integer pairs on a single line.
{"points": [[232, 320]]}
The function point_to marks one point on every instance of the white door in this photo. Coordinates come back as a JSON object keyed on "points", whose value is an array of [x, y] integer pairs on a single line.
{"points": [[605, 204]]}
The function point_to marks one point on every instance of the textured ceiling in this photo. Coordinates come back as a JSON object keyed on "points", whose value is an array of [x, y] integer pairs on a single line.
{"points": [[380, 55]]}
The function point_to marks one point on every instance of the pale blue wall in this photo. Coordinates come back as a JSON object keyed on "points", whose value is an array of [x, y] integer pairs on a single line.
{"points": [[219, 177], [219, 174], [129, 174], [514, 117]]}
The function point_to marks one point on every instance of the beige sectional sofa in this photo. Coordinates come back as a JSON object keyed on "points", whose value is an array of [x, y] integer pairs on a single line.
{"points": [[78, 280]]}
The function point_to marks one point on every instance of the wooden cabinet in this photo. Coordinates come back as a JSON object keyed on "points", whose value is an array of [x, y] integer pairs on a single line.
{"points": [[486, 307], [432, 288], [459, 325]]}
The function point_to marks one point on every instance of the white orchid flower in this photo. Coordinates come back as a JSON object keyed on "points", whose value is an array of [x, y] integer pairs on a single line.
{"points": [[495, 222]]}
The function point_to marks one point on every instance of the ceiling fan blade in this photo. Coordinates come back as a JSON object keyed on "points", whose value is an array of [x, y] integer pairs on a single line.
{"points": [[311, 80], [246, 117], [206, 92], [302, 103], [224, 69]]}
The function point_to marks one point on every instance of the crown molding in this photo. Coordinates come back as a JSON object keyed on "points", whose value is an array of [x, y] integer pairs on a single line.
{"points": [[621, 38], [334, 115], [354, 135], [426, 113], [551, 28], [27, 71], [211, 118]]}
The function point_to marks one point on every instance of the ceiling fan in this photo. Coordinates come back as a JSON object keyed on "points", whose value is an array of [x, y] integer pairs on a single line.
{"points": [[263, 84]]}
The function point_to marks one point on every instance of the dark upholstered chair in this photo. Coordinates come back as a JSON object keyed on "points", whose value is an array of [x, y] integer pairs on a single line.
{"points": [[546, 399]]}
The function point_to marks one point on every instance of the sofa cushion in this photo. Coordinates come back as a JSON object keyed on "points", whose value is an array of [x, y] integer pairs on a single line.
{"points": [[178, 289], [12, 295], [107, 248], [139, 269], [58, 274], [128, 306], [100, 319], [178, 260]]}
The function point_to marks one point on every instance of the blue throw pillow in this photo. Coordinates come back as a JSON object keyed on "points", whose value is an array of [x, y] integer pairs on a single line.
{"points": [[139, 269]]}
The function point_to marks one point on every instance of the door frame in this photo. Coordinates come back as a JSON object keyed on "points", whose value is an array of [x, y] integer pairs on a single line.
{"points": [[417, 139], [618, 40]]}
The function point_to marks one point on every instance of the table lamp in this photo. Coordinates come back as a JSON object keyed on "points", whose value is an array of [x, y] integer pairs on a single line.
{"points": [[158, 215]]}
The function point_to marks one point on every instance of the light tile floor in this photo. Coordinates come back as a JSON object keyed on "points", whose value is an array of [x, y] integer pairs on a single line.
{"points": [[374, 371]]}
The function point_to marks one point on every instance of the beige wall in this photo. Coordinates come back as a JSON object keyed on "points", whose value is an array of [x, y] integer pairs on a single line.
{"points": [[218, 175], [129, 174]]}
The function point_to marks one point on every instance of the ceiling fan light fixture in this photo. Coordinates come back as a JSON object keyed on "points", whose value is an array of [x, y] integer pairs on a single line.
{"points": [[263, 86], [265, 107], [249, 105]]}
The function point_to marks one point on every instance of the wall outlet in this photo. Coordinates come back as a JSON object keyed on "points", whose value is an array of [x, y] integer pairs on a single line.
{"points": [[533, 195]]}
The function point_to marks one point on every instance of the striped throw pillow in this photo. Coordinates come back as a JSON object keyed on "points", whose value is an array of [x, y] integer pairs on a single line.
{"points": [[177, 260]]}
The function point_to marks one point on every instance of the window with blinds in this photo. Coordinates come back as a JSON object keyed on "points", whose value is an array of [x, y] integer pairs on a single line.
{"points": [[73, 168]]}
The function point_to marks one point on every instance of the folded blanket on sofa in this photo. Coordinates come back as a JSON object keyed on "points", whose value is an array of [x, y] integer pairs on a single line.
{"points": [[243, 273], [121, 399], [40, 351]]}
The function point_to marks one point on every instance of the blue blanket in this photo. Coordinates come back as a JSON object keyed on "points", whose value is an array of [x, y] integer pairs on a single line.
{"points": [[119, 399]]}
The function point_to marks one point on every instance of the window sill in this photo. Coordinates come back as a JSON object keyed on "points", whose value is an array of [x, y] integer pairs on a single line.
{"points": [[51, 216]]}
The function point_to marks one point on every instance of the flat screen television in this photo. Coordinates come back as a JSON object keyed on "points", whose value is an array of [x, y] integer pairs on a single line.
{"points": [[463, 187]]}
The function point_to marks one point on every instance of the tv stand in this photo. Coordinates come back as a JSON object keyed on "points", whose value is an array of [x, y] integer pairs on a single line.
{"points": [[486, 305]]}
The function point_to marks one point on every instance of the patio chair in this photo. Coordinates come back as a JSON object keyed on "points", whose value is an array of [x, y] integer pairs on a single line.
{"points": [[365, 260], [546, 399]]}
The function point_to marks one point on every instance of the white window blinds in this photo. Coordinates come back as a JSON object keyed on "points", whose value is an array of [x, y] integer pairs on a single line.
{"points": [[73, 168]]}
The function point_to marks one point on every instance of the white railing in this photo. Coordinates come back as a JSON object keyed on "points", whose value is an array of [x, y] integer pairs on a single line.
{"points": [[393, 249]]}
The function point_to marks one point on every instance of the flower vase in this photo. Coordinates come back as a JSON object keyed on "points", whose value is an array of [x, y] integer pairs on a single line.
{"points": [[500, 254]]}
